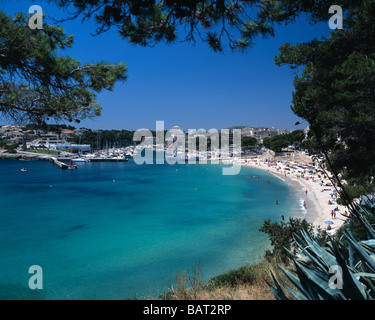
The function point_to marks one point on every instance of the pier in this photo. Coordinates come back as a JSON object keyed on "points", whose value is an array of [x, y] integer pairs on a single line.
{"points": [[108, 160], [63, 165], [97, 159], [58, 163]]}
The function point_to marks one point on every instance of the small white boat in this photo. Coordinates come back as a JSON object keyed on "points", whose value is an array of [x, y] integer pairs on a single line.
{"points": [[80, 160]]}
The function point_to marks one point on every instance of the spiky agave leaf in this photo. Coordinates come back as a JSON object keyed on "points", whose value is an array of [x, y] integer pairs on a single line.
{"points": [[313, 263], [313, 272], [307, 253], [324, 254], [322, 279], [363, 253], [352, 288], [278, 291], [297, 295], [360, 211], [369, 244]]}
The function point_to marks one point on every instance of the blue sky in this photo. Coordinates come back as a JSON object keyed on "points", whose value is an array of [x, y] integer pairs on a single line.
{"points": [[186, 85]]}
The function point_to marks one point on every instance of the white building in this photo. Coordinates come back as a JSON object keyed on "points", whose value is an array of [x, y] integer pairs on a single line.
{"points": [[68, 146]]}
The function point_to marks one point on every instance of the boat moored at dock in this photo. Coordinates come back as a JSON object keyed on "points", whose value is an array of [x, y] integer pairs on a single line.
{"points": [[110, 159]]}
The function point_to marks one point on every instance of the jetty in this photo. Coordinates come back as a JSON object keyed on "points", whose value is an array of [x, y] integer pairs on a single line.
{"points": [[96, 159], [108, 159], [61, 164], [34, 156]]}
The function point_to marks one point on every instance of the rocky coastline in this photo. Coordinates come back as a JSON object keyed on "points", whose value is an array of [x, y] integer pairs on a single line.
{"points": [[24, 156]]}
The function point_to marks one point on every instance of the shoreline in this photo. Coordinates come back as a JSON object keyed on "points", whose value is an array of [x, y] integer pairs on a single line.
{"points": [[318, 210], [25, 156], [318, 195]]}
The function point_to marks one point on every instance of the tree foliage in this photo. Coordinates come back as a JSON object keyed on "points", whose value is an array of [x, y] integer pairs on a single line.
{"points": [[234, 23], [335, 91], [279, 142], [100, 139], [37, 84], [281, 234], [249, 142]]}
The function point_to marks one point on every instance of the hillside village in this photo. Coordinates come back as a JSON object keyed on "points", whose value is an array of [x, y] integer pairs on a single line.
{"points": [[40, 139], [69, 138]]}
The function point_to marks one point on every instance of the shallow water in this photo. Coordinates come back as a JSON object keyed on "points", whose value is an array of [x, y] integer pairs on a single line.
{"points": [[121, 230]]}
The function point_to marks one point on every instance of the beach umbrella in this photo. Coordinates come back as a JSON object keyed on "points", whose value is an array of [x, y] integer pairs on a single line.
{"points": [[329, 222]]}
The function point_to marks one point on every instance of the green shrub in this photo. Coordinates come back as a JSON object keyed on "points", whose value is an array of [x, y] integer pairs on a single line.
{"points": [[232, 278], [354, 192], [11, 148], [281, 235]]}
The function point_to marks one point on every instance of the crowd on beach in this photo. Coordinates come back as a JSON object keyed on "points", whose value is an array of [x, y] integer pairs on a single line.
{"points": [[316, 185]]}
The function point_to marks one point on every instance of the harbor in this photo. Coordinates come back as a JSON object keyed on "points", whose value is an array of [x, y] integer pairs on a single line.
{"points": [[108, 155], [94, 159]]}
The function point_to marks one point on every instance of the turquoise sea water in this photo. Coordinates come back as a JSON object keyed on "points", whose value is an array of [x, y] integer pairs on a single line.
{"points": [[121, 230]]}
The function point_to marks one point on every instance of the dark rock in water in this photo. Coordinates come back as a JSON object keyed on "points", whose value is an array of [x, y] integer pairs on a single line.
{"points": [[77, 227]]}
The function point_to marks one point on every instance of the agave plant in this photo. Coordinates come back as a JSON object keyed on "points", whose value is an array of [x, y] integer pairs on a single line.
{"points": [[325, 272]]}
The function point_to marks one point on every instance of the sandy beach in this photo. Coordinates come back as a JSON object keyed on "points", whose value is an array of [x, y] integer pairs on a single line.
{"points": [[319, 192]]}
